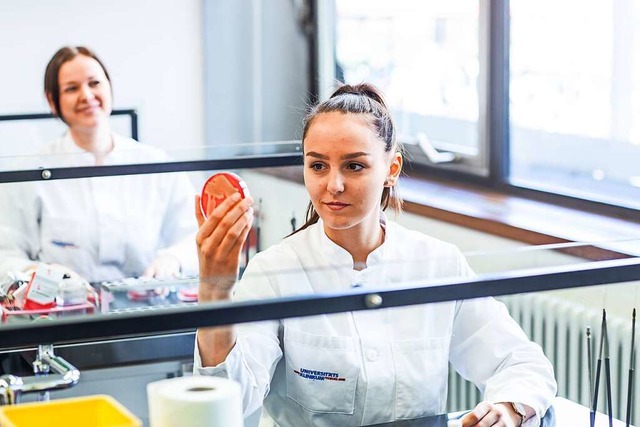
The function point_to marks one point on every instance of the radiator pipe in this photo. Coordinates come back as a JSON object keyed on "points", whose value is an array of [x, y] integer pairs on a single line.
{"points": [[607, 371], [631, 367], [590, 371], [598, 369]]}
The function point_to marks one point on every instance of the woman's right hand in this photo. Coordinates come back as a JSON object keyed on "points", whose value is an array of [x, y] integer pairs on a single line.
{"points": [[220, 239]]}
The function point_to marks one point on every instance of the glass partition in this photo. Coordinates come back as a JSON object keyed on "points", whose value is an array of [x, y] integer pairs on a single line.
{"points": [[107, 230], [76, 163], [552, 291], [554, 317], [334, 287]]}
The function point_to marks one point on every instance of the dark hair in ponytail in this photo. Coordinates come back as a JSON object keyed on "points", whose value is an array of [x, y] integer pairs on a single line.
{"points": [[367, 100]]}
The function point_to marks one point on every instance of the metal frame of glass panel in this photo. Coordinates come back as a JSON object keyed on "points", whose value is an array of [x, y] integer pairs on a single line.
{"points": [[166, 320]]}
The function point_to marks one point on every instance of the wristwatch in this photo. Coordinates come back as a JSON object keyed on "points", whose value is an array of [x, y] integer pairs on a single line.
{"points": [[519, 409]]}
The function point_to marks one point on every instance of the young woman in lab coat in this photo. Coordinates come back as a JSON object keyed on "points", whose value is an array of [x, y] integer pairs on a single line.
{"points": [[102, 228], [370, 367]]}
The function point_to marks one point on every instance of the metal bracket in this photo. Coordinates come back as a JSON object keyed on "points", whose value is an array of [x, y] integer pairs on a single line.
{"points": [[65, 376], [432, 154]]}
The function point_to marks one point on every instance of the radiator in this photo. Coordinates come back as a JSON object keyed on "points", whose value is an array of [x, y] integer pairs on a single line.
{"points": [[559, 327]]}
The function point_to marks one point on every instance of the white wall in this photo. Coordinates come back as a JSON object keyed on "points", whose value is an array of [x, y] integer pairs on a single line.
{"points": [[257, 70], [152, 49]]}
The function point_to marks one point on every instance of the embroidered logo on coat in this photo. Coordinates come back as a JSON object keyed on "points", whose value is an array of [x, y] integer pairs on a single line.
{"points": [[63, 244], [318, 375]]}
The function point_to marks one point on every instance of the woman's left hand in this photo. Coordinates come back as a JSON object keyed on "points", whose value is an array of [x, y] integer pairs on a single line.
{"points": [[487, 414], [164, 266]]}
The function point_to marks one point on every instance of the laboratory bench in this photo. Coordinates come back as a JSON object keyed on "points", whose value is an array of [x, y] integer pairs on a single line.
{"points": [[563, 413]]}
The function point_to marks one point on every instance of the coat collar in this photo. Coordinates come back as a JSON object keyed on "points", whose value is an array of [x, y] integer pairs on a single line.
{"points": [[336, 255]]}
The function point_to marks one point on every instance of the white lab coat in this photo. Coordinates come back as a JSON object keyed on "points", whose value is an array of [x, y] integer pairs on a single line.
{"points": [[104, 228], [368, 367]]}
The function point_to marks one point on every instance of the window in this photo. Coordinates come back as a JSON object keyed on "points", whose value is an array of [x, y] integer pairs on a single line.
{"points": [[568, 108], [424, 56], [575, 98]]}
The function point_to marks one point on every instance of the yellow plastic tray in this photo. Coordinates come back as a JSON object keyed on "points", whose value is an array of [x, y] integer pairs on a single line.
{"points": [[95, 411]]}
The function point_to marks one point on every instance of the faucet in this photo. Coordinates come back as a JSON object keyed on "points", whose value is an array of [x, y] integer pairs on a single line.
{"points": [[65, 376]]}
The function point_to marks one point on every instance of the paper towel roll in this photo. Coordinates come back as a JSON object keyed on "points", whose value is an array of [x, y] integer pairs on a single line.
{"points": [[195, 402]]}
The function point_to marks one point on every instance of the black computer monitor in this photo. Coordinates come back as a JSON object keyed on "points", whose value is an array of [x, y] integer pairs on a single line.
{"points": [[25, 134]]}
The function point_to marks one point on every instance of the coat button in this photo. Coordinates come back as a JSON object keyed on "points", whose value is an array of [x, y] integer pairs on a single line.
{"points": [[372, 355]]}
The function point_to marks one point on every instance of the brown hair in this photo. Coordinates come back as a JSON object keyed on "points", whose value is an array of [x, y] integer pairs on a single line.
{"points": [[51, 80], [363, 99]]}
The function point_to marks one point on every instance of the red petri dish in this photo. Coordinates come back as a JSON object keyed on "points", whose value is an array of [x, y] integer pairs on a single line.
{"points": [[218, 187], [188, 294], [160, 292]]}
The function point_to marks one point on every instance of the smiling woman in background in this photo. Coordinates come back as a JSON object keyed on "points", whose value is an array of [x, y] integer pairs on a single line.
{"points": [[103, 228]]}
